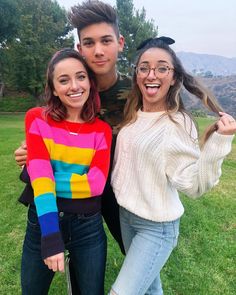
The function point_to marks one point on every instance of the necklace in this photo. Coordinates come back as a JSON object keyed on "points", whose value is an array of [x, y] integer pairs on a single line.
{"points": [[75, 133]]}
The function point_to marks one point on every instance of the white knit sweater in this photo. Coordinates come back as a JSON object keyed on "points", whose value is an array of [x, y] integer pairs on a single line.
{"points": [[155, 158]]}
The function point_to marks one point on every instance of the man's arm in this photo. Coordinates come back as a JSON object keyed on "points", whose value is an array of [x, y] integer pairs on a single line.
{"points": [[21, 154]]}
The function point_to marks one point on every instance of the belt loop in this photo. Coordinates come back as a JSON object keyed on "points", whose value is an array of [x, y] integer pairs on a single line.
{"points": [[61, 214]]}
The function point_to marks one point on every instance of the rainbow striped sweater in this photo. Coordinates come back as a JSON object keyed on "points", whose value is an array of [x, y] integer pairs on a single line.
{"points": [[64, 166]]}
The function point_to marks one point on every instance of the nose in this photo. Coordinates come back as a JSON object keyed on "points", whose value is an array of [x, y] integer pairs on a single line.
{"points": [[98, 51], [151, 74], [74, 84]]}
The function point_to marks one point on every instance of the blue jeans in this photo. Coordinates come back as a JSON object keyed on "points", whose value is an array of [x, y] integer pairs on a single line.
{"points": [[148, 245], [84, 238]]}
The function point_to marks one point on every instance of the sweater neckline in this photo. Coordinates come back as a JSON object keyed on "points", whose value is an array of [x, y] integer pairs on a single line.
{"points": [[150, 115]]}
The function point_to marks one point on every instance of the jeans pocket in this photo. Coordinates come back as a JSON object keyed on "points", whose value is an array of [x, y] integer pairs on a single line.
{"points": [[91, 216], [33, 218], [171, 232]]}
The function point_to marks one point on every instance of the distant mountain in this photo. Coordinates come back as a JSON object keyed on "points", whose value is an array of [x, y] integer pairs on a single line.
{"points": [[202, 63], [224, 89]]}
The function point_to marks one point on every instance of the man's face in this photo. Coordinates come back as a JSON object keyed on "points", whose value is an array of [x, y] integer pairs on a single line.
{"points": [[100, 47]]}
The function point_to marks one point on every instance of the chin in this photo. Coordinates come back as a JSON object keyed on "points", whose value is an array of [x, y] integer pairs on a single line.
{"points": [[101, 71]]}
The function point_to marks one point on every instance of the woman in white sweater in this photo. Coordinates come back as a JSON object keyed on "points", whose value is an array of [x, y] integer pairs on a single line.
{"points": [[157, 154]]}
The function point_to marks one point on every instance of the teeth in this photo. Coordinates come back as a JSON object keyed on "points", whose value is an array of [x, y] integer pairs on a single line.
{"points": [[152, 85], [76, 94]]}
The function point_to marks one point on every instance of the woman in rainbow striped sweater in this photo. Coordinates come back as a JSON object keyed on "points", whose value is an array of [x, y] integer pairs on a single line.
{"points": [[68, 163]]}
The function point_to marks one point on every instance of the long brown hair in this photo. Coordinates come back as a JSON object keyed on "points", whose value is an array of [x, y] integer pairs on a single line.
{"points": [[174, 102], [54, 106]]}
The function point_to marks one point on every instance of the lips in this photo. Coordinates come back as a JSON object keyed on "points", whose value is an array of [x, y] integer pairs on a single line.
{"points": [[100, 62], [75, 95], [152, 85], [152, 89]]}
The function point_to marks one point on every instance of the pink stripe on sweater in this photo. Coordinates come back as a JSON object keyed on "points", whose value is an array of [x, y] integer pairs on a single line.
{"points": [[92, 140], [96, 181], [40, 168]]}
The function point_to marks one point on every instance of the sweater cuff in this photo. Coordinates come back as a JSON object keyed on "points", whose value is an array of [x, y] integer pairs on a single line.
{"points": [[222, 144], [52, 245]]}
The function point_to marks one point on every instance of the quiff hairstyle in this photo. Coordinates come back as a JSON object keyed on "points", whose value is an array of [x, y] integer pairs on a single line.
{"points": [[93, 12]]}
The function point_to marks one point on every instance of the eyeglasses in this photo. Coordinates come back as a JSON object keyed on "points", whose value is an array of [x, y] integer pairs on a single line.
{"points": [[160, 71]]}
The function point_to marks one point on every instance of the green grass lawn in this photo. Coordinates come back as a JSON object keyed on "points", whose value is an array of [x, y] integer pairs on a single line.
{"points": [[202, 264]]}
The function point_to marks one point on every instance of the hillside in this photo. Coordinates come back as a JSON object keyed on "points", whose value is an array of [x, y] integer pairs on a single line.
{"points": [[217, 65], [224, 88]]}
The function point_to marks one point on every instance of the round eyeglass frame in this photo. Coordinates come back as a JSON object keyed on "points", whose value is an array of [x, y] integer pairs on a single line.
{"points": [[157, 73]]}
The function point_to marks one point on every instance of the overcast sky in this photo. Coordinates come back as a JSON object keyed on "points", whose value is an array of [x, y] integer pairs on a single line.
{"points": [[200, 26]]}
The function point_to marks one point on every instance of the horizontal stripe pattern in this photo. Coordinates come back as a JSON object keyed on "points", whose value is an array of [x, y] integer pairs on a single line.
{"points": [[60, 164], [45, 203], [73, 168], [42, 185], [92, 140], [38, 168], [49, 223], [68, 154]]}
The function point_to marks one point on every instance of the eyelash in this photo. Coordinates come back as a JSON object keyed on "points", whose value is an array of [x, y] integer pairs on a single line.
{"points": [[88, 43], [91, 43], [63, 81], [106, 41], [80, 78]]}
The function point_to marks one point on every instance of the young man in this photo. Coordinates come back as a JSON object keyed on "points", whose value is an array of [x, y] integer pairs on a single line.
{"points": [[100, 43]]}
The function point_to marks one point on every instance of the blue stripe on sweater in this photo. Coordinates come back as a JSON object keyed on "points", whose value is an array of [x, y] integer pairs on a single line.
{"points": [[67, 167], [49, 223], [45, 203]]}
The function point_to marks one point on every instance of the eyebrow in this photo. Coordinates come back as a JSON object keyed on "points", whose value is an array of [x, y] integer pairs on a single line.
{"points": [[91, 38], [79, 72], [158, 61]]}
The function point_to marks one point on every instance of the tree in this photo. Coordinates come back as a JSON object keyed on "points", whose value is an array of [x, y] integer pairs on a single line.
{"points": [[134, 26], [43, 29], [9, 20]]}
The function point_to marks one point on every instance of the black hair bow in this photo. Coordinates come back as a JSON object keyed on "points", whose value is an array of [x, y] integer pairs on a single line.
{"points": [[166, 40]]}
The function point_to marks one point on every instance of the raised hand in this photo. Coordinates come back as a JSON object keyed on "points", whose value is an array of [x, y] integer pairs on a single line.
{"points": [[226, 124]]}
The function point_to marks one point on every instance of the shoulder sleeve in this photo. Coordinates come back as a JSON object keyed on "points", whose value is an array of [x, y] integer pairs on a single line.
{"points": [[189, 169], [43, 183]]}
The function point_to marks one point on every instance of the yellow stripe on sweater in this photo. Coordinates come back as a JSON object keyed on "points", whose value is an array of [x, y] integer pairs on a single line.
{"points": [[60, 152], [80, 187], [43, 185]]}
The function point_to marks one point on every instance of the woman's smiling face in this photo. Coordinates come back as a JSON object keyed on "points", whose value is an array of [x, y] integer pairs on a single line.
{"points": [[71, 84], [155, 76]]}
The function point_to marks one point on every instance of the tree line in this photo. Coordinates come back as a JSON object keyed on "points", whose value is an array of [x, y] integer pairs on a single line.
{"points": [[32, 30]]}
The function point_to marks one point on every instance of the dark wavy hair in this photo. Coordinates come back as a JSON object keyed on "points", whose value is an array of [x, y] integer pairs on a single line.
{"points": [[93, 12], [54, 107]]}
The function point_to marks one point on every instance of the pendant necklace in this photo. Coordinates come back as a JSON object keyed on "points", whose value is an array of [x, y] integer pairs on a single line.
{"points": [[75, 133]]}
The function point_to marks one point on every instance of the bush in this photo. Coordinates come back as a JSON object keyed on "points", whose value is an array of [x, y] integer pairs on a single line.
{"points": [[17, 103], [199, 113]]}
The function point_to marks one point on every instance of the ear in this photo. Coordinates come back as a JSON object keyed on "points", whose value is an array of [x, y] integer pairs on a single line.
{"points": [[121, 42], [79, 48], [172, 83], [55, 93]]}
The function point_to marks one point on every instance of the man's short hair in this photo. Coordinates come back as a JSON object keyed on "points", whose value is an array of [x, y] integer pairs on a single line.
{"points": [[93, 12]]}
